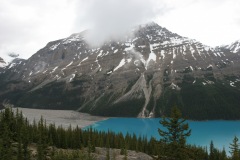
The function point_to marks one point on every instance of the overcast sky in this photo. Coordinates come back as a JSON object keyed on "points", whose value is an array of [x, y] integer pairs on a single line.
{"points": [[28, 25]]}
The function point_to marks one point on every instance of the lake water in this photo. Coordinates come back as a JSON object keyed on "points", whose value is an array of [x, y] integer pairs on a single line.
{"points": [[221, 132]]}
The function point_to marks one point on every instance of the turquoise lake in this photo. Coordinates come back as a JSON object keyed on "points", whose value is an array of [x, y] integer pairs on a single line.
{"points": [[220, 131]]}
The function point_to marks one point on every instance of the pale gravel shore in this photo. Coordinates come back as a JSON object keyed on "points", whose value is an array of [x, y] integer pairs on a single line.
{"points": [[61, 117]]}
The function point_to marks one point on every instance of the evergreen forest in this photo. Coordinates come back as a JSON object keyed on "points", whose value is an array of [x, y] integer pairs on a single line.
{"points": [[22, 140]]}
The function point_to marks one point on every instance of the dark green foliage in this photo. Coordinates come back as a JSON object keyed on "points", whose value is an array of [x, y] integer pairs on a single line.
{"points": [[42, 140], [212, 151], [234, 146], [197, 153], [216, 154], [175, 134], [15, 129]]}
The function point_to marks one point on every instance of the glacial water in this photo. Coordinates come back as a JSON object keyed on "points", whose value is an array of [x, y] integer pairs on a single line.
{"points": [[220, 131]]}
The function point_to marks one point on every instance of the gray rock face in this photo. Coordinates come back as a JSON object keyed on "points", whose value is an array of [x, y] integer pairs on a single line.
{"points": [[119, 78]]}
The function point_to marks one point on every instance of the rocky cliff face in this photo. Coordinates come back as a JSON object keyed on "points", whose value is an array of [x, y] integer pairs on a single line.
{"points": [[142, 75]]}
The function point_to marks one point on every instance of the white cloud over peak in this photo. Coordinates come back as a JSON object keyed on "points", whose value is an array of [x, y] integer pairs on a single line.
{"points": [[112, 18]]}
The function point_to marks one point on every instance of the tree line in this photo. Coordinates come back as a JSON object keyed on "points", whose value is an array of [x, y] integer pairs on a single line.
{"points": [[18, 135]]}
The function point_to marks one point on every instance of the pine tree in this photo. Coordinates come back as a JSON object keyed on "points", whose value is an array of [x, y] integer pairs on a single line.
{"points": [[42, 144], [90, 149], [212, 151], [234, 147], [175, 134], [223, 154], [6, 149], [25, 140]]}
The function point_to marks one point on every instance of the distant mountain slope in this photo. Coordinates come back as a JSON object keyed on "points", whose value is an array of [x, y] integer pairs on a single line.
{"points": [[142, 75]]}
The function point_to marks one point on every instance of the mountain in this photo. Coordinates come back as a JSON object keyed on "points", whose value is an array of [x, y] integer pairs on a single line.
{"points": [[142, 75]]}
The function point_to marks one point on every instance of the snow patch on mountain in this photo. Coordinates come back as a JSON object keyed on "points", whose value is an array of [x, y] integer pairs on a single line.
{"points": [[129, 47], [122, 62], [69, 64], [72, 38], [54, 69], [209, 66], [191, 68], [53, 47], [232, 84], [163, 53], [115, 51], [83, 61], [109, 72], [152, 56], [11, 65], [71, 78], [192, 52], [174, 54]]}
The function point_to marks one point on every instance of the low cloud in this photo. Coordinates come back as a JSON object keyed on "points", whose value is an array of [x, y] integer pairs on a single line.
{"points": [[27, 26], [110, 19]]}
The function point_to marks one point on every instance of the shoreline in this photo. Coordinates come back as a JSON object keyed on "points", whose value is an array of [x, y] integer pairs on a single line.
{"points": [[63, 118]]}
